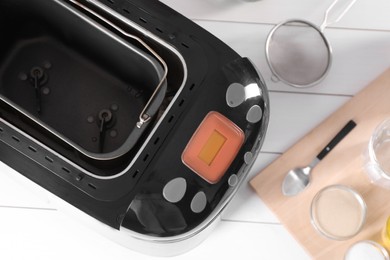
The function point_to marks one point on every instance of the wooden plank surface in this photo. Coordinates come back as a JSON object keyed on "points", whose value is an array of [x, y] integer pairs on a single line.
{"points": [[344, 165]]}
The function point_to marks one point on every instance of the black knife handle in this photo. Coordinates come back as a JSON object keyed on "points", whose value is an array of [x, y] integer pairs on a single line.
{"points": [[343, 132]]}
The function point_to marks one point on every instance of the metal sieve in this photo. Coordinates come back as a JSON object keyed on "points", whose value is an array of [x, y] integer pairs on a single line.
{"points": [[298, 52]]}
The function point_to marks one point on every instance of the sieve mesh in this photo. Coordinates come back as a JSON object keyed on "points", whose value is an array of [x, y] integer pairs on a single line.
{"points": [[298, 53]]}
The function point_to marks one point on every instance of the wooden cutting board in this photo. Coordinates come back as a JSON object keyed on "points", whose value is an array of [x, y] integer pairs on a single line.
{"points": [[343, 165]]}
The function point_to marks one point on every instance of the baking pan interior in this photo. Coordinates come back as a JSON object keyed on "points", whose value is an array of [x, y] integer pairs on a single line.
{"points": [[73, 78]]}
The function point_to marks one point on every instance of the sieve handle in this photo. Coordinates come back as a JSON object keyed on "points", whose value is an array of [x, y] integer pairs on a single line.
{"points": [[336, 11]]}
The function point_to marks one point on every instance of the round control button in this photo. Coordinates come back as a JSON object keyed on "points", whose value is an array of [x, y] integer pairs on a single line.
{"points": [[248, 157], [198, 203], [254, 114], [235, 95], [175, 189], [233, 180]]}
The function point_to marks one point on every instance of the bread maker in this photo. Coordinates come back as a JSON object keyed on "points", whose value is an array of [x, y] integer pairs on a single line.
{"points": [[129, 114]]}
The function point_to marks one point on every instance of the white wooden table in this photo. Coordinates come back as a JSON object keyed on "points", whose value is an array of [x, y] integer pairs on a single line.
{"points": [[31, 228]]}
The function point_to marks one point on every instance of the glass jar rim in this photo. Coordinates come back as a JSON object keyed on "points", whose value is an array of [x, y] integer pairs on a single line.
{"points": [[355, 195]]}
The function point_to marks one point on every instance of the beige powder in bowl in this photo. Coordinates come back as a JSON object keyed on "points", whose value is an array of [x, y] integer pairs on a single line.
{"points": [[338, 212]]}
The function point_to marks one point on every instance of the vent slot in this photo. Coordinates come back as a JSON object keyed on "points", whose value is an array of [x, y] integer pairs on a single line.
{"points": [[143, 20], [65, 169], [16, 138], [33, 149], [49, 159], [92, 186]]}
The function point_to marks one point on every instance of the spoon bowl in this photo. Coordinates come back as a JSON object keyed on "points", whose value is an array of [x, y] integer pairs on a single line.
{"points": [[296, 180]]}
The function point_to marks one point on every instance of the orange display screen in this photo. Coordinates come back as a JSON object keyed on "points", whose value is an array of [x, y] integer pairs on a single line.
{"points": [[213, 147]]}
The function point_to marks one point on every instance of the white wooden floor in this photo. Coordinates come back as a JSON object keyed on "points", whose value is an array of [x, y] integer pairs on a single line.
{"points": [[31, 228]]}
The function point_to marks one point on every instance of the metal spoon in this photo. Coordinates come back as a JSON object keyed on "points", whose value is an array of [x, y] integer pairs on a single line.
{"points": [[297, 179]]}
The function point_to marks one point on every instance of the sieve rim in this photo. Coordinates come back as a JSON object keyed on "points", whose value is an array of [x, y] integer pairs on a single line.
{"points": [[273, 70]]}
